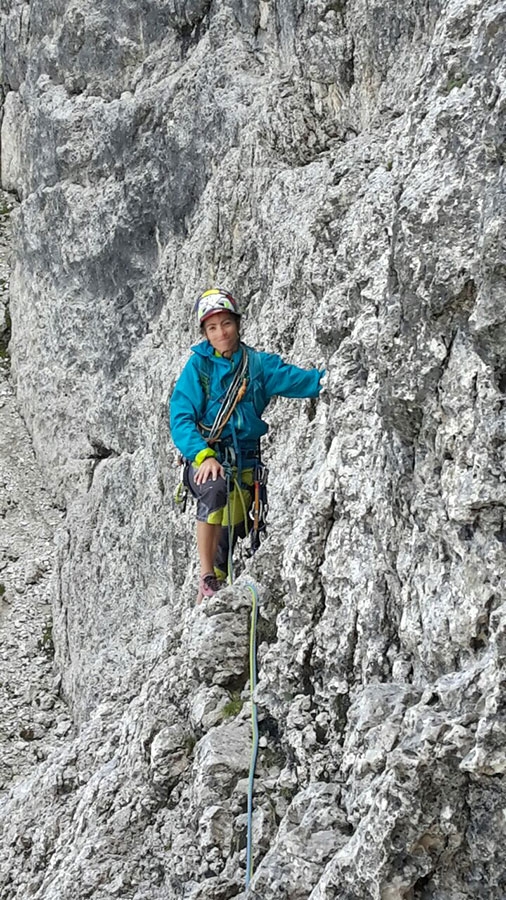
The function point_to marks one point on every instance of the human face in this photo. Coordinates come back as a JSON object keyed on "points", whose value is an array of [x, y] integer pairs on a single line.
{"points": [[222, 332]]}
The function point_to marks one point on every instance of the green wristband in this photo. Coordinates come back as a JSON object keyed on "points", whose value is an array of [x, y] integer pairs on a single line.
{"points": [[206, 453]]}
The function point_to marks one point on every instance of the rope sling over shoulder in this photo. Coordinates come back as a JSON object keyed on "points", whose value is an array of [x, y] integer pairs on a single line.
{"points": [[234, 395]]}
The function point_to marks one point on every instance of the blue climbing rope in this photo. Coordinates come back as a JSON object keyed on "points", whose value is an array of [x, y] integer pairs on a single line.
{"points": [[252, 663], [254, 726]]}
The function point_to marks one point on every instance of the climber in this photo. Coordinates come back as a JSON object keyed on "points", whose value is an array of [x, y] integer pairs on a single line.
{"points": [[216, 424]]}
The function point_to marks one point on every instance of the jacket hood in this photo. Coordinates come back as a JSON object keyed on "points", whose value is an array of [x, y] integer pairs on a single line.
{"points": [[203, 348]]}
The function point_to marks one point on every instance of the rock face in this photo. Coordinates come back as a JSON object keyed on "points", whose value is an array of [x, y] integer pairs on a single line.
{"points": [[31, 713], [339, 166]]}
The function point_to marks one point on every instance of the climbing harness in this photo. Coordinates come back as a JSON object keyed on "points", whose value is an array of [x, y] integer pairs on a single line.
{"points": [[254, 727]]}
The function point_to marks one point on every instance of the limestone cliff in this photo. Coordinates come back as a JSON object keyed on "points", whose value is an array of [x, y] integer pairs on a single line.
{"points": [[339, 166]]}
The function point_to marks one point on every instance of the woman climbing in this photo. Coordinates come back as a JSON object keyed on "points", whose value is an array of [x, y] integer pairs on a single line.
{"points": [[216, 424]]}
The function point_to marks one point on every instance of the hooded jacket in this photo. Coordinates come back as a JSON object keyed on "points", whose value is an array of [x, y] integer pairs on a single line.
{"points": [[201, 388]]}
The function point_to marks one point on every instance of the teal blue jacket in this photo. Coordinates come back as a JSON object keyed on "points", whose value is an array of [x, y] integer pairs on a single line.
{"points": [[201, 388]]}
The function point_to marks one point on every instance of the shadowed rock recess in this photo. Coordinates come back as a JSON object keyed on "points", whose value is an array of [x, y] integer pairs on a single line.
{"points": [[339, 166]]}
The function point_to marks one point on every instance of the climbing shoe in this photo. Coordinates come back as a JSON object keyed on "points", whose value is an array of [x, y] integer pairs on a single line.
{"points": [[208, 586]]}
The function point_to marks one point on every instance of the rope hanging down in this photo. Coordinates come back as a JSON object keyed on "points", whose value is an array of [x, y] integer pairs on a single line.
{"points": [[233, 397], [254, 727], [252, 678], [262, 472]]}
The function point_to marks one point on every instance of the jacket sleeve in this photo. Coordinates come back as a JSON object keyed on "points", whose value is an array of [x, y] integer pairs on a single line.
{"points": [[186, 406], [284, 380]]}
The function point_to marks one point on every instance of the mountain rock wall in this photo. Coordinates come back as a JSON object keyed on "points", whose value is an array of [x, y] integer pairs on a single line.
{"points": [[338, 165]]}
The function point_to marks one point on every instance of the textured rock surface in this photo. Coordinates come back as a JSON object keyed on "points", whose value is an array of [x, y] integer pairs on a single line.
{"points": [[340, 167], [31, 713], [6, 206], [33, 719]]}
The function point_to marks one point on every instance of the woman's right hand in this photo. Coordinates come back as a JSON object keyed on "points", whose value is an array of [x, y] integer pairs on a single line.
{"points": [[209, 468]]}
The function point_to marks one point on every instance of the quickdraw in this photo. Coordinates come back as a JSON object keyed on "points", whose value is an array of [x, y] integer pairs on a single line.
{"points": [[182, 488], [259, 506]]}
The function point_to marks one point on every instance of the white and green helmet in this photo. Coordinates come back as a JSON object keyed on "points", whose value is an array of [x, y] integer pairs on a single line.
{"points": [[213, 301]]}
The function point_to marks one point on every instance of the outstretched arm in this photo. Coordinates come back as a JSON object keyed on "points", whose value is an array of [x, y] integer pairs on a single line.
{"points": [[285, 380]]}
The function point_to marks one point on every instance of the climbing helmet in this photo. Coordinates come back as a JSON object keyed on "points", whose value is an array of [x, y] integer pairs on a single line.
{"points": [[213, 301]]}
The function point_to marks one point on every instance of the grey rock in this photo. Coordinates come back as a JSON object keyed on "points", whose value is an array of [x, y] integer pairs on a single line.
{"points": [[340, 168], [312, 831], [207, 707], [219, 647], [221, 757], [168, 756]]}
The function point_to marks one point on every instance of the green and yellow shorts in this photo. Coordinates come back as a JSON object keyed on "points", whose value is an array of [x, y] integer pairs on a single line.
{"points": [[212, 504]]}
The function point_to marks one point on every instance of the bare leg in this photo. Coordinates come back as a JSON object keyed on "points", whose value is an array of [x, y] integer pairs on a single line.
{"points": [[207, 545]]}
